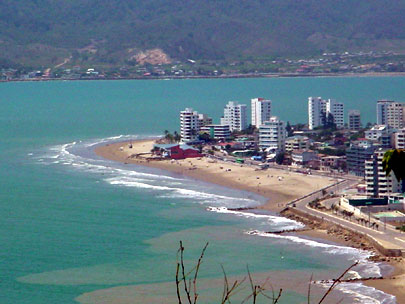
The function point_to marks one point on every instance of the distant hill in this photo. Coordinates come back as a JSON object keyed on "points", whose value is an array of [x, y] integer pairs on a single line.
{"points": [[111, 32]]}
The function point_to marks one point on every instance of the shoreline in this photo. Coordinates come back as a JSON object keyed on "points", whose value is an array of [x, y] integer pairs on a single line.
{"points": [[231, 76], [272, 184], [393, 283], [276, 201]]}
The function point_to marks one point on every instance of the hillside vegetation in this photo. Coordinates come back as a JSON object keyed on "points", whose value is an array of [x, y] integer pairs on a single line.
{"points": [[45, 32]]}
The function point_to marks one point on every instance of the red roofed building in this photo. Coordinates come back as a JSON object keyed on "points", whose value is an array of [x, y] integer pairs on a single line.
{"points": [[177, 151]]}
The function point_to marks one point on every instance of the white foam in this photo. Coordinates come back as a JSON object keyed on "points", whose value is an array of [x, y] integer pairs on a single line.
{"points": [[365, 268], [360, 293], [119, 181], [171, 191], [118, 137], [193, 193], [137, 173], [174, 187], [168, 186], [290, 224], [311, 243], [110, 139]]}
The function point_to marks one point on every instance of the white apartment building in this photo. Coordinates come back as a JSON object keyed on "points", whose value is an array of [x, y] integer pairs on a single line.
{"points": [[217, 131], [272, 134], [380, 134], [261, 111], [319, 109], [354, 120], [391, 113], [316, 112], [337, 110], [235, 116], [378, 184], [189, 125], [399, 139]]}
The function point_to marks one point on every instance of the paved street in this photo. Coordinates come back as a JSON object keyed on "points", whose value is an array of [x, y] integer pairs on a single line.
{"points": [[388, 237]]}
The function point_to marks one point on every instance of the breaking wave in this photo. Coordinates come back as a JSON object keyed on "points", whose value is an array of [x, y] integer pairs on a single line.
{"points": [[80, 156]]}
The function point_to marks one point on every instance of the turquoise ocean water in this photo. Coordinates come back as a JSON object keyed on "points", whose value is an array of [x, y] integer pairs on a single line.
{"points": [[73, 225]]}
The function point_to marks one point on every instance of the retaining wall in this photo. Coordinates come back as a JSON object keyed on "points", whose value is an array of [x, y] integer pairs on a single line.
{"points": [[389, 252]]}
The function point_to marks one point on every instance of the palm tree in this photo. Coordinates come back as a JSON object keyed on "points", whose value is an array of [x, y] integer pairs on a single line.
{"points": [[177, 136]]}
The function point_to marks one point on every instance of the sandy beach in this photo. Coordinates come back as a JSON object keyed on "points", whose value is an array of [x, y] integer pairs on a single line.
{"points": [[278, 186]]}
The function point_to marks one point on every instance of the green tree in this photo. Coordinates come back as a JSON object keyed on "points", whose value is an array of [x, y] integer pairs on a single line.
{"points": [[177, 136], [280, 158], [330, 122], [289, 129], [394, 160], [204, 136]]}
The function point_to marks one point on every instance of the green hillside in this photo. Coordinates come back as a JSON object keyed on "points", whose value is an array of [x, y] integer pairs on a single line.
{"points": [[110, 32]]}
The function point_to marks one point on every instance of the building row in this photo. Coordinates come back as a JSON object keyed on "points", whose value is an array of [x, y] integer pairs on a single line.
{"points": [[322, 112], [272, 132], [363, 156]]}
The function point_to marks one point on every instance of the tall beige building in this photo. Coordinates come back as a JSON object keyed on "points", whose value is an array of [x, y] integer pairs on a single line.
{"points": [[391, 113]]}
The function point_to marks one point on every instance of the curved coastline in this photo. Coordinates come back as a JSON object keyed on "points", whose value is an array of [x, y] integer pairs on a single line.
{"points": [[278, 186], [276, 200]]}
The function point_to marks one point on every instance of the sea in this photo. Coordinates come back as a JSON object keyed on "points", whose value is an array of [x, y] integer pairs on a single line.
{"points": [[76, 228]]}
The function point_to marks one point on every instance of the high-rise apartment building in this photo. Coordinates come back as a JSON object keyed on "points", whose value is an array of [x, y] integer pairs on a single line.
{"points": [[319, 110], [378, 184], [391, 113], [354, 120], [261, 111], [399, 139], [356, 155], [189, 125], [316, 112], [337, 110], [272, 134], [235, 116]]}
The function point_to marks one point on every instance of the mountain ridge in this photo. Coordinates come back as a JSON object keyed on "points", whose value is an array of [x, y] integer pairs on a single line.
{"points": [[45, 32]]}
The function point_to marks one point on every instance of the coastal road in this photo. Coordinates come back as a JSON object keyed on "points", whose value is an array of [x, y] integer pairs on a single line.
{"points": [[389, 237]]}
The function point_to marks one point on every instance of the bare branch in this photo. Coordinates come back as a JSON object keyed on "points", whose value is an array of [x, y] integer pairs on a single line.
{"points": [[178, 283], [336, 282], [309, 288], [229, 291], [186, 287], [278, 297], [196, 273]]}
